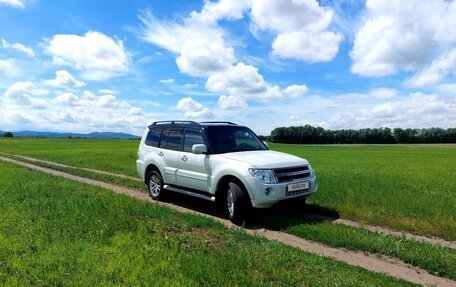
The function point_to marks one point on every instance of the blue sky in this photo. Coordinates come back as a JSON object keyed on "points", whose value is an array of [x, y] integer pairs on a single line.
{"points": [[118, 65]]}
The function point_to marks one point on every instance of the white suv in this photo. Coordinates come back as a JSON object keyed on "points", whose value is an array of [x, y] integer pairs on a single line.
{"points": [[221, 162]]}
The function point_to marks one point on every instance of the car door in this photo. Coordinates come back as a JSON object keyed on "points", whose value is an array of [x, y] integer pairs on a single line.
{"points": [[194, 169], [168, 154]]}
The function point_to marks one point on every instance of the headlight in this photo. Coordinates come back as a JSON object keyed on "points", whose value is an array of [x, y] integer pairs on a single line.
{"points": [[263, 175]]}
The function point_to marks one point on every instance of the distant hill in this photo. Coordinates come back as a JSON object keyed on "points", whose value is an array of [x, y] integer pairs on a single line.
{"points": [[93, 135]]}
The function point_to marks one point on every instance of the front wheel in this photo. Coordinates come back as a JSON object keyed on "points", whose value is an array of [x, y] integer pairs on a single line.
{"points": [[155, 185], [237, 204]]}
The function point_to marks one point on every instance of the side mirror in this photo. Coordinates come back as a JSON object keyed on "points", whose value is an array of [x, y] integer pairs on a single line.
{"points": [[199, 148], [266, 144]]}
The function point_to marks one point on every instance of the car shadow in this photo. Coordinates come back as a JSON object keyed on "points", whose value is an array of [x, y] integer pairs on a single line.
{"points": [[281, 216]]}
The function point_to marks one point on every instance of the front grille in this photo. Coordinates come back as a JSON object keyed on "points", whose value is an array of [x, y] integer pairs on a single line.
{"points": [[296, 192], [292, 173]]}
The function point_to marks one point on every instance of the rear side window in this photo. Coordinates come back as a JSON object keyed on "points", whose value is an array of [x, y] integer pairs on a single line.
{"points": [[153, 137], [174, 140], [171, 139], [192, 137]]}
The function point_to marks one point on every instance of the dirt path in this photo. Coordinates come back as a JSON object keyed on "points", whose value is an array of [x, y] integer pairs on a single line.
{"points": [[386, 265], [347, 222], [388, 231], [74, 167]]}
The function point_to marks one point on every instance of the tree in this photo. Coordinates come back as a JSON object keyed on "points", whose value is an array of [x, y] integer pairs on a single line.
{"points": [[8, 135]]}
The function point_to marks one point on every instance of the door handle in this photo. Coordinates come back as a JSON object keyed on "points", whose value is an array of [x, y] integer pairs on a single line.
{"points": [[161, 153], [184, 158]]}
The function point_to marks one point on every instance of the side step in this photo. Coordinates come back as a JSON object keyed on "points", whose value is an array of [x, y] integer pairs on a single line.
{"points": [[191, 193]]}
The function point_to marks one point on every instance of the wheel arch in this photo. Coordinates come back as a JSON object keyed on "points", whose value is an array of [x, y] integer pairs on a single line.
{"points": [[149, 168], [223, 182]]}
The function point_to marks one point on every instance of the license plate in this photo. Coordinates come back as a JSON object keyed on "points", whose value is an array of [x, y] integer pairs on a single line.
{"points": [[298, 186]]}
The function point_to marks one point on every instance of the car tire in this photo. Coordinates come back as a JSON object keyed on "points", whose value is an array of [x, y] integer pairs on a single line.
{"points": [[155, 185], [237, 203]]}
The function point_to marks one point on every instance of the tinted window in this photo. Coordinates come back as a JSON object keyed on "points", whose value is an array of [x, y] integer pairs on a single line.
{"points": [[192, 137], [153, 137], [225, 139], [164, 139], [174, 140]]}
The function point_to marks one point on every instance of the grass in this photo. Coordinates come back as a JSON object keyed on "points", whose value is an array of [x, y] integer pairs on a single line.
{"points": [[113, 155], [435, 259], [405, 188], [59, 232]]}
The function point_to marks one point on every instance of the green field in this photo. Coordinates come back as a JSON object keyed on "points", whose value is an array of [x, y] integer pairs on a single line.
{"points": [[57, 232], [404, 187]]}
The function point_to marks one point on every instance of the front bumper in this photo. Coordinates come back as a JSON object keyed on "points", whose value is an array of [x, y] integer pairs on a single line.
{"points": [[276, 191]]}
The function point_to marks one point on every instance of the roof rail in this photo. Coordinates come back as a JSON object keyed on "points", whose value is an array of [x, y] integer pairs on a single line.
{"points": [[174, 122], [218, 122]]}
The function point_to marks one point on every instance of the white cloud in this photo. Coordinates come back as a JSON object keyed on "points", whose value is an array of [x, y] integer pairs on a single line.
{"points": [[294, 117], [296, 91], [232, 103], [403, 35], [203, 57], [67, 98], [434, 73], [167, 81], [64, 79], [192, 109], [9, 68], [96, 55], [200, 47], [24, 107], [18, 47], [106, 101], [223, 9], [22, 92], [301, 28], [13, 3], [106, 91], [243, 81]]}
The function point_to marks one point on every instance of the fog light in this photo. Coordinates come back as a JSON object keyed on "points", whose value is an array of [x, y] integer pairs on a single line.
{"points": [[267, 190]]}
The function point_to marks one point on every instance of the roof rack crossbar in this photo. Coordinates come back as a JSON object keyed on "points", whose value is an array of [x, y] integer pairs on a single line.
{"points": [[219, 122], [175, 122]]}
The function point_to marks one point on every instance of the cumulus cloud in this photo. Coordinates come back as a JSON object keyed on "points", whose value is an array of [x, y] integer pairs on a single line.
{"points": [[24, 106], [232, 103], [96, 55], [435, 72], [296, 91], [67, 98], [192, 109], [223, 9], [64, 79], [203, 57], [404, 36], [301, 28], [200, 47], [13, 3], [23, 92], [18, 47], [243, 81]]}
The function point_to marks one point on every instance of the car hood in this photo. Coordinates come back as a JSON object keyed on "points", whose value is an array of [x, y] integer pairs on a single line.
{"points": [[266, 158]]}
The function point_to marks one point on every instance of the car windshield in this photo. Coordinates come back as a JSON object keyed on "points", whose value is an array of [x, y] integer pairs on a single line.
{"points": [[224, 139]]}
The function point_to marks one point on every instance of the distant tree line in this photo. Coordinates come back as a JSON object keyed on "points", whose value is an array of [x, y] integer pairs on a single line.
{"points": [[8, 135], [316, 135]]}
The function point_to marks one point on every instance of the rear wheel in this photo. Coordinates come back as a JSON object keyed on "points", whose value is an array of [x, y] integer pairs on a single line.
{"points": [[155, 185], [237, 203]]}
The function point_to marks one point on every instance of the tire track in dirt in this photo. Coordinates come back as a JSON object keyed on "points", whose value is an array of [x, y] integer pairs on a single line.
{"points": [[386, 265], [72, 166]]}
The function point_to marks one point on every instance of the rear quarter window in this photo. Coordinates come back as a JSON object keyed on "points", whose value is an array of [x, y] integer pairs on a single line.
{"points": [[153, 137]]}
